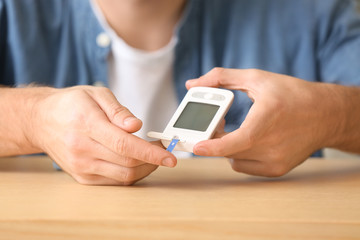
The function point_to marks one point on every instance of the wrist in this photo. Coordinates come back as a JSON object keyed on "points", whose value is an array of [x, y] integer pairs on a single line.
{"points": [[346, 111], [17, 132], [334, 109], [33, 113]]}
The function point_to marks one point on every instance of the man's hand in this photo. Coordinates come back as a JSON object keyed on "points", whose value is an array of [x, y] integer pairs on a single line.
{"points": [[289, 120], [88, 133]]}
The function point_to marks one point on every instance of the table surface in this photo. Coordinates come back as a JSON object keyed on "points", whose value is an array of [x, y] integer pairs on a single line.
{"points": [[202, 198]]}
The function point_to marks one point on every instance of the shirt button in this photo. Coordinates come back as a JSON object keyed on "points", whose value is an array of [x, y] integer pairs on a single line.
{"points": [[99, 84], [103, 40]]}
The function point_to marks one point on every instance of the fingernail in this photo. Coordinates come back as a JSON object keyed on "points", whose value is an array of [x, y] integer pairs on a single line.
{"points": [[168, 162], [201, 151], [130, 120]]}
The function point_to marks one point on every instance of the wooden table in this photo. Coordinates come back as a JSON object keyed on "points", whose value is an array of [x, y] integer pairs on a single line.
{"points": [[200, 199]]}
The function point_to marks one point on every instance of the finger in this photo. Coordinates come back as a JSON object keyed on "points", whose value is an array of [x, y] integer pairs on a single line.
{"points": [[116, 113], [258, 168], [123, 143], [124, 175], [244, 138], [220, 128], [99, 151], [128, 145], [96, 180], [237, 79], [85, 179], [251, 167], [83, 146]]}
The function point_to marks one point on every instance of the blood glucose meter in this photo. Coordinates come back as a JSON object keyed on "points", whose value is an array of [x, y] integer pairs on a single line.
{"points": [[196, 118]]}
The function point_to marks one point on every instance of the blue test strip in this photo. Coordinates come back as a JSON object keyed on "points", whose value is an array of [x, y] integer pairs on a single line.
{"points": [[172, 145]]}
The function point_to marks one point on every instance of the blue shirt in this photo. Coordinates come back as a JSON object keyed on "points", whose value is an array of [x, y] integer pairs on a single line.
{"points": [[53, 42]]}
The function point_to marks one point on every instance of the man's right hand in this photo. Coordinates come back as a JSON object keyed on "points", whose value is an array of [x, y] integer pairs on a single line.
{"points": [[88, 133]]}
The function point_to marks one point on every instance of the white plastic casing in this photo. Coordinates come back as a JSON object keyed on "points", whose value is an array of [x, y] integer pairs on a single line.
{"points": [[189, 138]]}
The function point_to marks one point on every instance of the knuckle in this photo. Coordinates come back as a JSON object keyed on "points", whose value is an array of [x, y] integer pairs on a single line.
{"points": [[104, 89], [122, 146], [90, 167], [129, 176], [129, 162], [117, 111], [76, 117], [75, 94], [236, 167], [150, 154], [276, 156], [73, 143], [82, 179], [77, 165], [217, 73], [96, 89]]}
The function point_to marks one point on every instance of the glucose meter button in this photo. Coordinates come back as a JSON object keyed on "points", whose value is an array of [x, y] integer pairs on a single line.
{"points": [[198, 95], [208, 96], [219, 97]]}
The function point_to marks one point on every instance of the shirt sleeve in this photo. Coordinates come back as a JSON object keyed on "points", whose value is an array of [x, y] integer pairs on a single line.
{"points": [[3, 37], [339, 43]]}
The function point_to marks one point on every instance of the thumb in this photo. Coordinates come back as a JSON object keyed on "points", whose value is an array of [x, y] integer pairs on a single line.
{"points": [[116, 113], [236, 79], [227, 144], [245, 80]]}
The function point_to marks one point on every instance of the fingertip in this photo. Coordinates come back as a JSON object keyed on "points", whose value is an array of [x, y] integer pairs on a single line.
{"points": [[131, 121], [169, 162], [162, 157], [211, 147], [132, 124], [201, 150], [189, 83]]}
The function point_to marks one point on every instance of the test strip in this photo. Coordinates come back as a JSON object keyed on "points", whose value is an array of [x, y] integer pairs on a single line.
{"points": [[172, 145]]}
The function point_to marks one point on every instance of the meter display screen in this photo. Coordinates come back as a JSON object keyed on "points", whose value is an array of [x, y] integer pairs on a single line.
{"points": [[196, 116]]}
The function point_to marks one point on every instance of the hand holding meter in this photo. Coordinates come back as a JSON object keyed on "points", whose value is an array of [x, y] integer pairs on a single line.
{"points": [[196, 118]]}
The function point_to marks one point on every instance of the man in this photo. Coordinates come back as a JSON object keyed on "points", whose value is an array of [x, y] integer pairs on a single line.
{"points": [[141, 49]]}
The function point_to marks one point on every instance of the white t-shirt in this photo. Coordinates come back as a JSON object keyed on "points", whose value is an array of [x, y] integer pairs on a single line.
{"points": [[142, 81]]}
